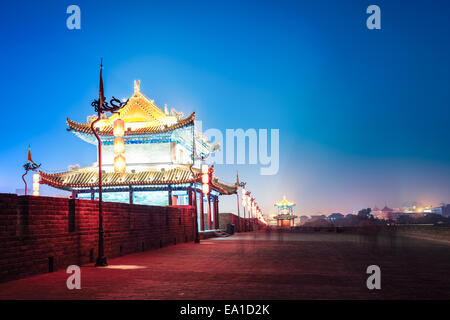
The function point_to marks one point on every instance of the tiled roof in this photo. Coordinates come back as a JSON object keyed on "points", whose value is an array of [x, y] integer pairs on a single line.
{"points": [[153, 127], [284, 203], [88, 177]]}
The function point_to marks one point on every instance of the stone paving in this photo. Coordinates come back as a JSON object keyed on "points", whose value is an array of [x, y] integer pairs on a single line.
{"points": [[259, 266]]}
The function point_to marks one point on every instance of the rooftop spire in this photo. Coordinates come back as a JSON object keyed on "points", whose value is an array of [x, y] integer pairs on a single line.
{"points": [[101, 94], [29, 159], [137, 86]]}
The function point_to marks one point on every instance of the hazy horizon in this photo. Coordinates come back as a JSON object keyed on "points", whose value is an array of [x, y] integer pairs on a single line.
{"points": [[363, 114]]}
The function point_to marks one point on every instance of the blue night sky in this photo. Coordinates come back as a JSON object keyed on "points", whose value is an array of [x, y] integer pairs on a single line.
{"points": [[363, 114]]}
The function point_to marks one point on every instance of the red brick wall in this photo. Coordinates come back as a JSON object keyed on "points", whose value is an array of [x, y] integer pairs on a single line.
{"points": [[238, 222], [35, 230]]}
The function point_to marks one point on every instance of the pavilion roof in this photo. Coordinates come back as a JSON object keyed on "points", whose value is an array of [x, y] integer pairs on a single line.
{"points": [[85, 178], [284, 203], [150, 128], [144, 115]]}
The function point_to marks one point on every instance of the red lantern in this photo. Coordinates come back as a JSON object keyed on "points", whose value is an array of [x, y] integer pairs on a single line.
{"points": [[205, 179]]}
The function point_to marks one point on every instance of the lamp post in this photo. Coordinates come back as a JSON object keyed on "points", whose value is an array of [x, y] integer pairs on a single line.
{"points": [[29, 165], [196, 234], [242, 185], [247, 201], [101, 106]]}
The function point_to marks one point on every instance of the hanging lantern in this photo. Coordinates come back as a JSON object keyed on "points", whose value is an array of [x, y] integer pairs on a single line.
{"points": [[36, 184], [118, 146], [119, 164], [205, 189], [119, 128], [205, 179]]}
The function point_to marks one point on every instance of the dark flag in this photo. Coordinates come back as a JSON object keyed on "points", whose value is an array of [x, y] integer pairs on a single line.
{"points": [[29, 159]]}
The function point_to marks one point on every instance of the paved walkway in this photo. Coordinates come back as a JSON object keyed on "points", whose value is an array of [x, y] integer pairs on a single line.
{"points": [[258, 266]]}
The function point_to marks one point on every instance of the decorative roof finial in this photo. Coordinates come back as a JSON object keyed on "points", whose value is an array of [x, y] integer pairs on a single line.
{"points": [[29, 159], [100, 90], [137, 86], [166, 111]]}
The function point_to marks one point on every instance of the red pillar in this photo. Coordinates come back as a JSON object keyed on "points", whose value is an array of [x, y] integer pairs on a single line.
{"points": [[209, 213], [170, 195], [131, 195], [189, 193], [202, 213], [216, 212], [92, 194]]}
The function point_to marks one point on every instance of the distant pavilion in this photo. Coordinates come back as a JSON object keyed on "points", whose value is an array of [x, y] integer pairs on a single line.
{"points": [[285, 216]]}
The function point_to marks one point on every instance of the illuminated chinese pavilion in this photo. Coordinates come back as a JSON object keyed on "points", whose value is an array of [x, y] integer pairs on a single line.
{"points": [[158, 152], [285, 216]]}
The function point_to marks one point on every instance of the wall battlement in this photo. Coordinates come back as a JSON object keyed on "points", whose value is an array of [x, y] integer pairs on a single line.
{"points": [[40, 234]]}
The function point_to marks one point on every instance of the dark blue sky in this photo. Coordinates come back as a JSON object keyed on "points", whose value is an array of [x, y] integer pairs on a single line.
{"points": [[363, 115]]}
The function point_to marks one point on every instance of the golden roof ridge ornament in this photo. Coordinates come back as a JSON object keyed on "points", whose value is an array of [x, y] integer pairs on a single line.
{"points": [[137, 86]]}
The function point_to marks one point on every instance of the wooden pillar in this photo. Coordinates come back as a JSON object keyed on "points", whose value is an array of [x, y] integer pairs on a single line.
{"points": [[209, 222], [189, 193], [213, 212], [202, 213], [216, 210], [131, 194], [193, 197], [92, 194], [169, 192], [74, 194], [218, 213]]}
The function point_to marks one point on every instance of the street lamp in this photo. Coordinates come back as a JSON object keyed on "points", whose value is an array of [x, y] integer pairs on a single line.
{"points": [[248, 205], [101, 106], [242, 185], [196, 234], [31, 165]]}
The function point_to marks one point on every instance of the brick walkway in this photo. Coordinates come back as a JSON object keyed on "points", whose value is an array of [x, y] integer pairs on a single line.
{"points": [[258, 266]]}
